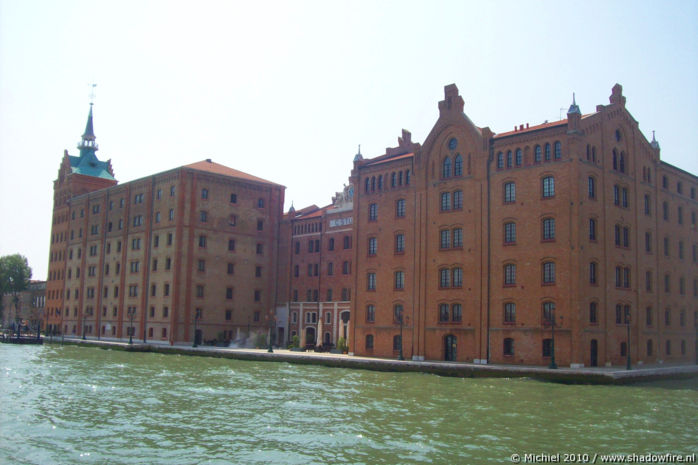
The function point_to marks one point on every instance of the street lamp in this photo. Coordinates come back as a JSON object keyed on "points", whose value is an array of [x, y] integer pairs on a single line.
{"points": [[197, 316], [84, 318], [271, 319], [131, 312], [553, 365], [627, 343]]}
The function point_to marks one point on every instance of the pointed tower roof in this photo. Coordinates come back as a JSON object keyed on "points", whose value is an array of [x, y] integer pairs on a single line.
{"points": [[87, 163], [574, 108], [89, 131]]}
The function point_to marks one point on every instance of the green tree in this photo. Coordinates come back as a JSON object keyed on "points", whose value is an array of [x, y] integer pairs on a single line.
{"points": [[14, 277]]}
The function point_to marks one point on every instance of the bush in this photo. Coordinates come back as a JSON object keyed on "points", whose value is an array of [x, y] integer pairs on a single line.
{"points": [[260, 341], [342, 345], [295, 342]]}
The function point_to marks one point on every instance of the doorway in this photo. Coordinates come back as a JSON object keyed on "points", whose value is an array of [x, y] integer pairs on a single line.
{"points": [[198, 335], [594, 356], [450, 348]]}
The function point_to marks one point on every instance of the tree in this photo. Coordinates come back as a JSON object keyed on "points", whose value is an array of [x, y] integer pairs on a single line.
{"points": [[14, 277]]}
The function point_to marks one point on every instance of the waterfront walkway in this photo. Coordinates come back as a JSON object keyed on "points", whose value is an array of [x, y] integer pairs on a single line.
{"points": [[584, 375]]}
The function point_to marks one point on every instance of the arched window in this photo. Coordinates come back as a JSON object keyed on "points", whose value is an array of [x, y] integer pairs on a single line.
{"points": [[649, 347], [593, 313], [547, 151], [368, 185], [510, 160], [519, 157], [538, 154], [373, 183], [446, 168], [621, 164], [407, 177], [500, 160], [558, 150], [458, 166], [380, 182], [393, 180]]}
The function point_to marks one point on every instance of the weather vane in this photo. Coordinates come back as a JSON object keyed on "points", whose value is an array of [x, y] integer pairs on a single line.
{"points": [[92, 93]]}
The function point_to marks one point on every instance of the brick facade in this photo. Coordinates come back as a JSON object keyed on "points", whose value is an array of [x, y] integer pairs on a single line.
{"points": [[504, 233]]}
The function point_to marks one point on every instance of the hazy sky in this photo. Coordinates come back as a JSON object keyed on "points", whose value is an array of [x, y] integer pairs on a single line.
{"points": [[287, 90]]}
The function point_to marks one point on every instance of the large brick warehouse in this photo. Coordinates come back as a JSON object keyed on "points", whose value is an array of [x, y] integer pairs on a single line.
{"points": [[568, 240]]}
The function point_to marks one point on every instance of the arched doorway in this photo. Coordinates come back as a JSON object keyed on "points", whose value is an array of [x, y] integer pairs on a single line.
{"points": [[327, 339], [450, 348], [594, 355], [310, 336]]}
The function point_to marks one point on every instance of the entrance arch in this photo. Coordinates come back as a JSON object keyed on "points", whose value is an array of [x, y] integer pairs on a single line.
{"points": [[310, 335]]}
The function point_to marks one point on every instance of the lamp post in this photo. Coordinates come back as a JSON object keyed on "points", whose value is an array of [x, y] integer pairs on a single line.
{"points": [[553, 365], [131, 314], [84, 319], [270, 317], [627, 348], [197, 316]]}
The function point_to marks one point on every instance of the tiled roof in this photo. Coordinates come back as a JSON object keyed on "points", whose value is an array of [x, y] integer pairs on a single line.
{"points": [[538, 127], [386, 159], [212, 167]]}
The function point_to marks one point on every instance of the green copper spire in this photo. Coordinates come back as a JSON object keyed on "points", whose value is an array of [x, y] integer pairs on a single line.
{"points": [[87, 163]]}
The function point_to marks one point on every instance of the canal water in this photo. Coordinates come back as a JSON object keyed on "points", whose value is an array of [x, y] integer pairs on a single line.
{"points": [[73, 405]]}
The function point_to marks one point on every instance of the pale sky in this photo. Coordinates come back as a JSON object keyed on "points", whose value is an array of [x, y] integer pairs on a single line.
{"points": [[287, 90]]}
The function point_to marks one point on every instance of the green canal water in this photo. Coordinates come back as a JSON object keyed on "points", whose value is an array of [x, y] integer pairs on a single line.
{"points": [[73, 405]]}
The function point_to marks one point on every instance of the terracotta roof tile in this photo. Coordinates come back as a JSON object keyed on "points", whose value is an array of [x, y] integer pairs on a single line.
{"points": [[383, 159], [217, 168]]}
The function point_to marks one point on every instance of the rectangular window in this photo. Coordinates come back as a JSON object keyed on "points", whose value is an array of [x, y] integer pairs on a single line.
{"points": [[445, 242], [549, 273], [592, 187], [370, 313], [202, 241], [400, 208], [548, 187], [203, 216], [371, 281], [509, 233], [399, 280], [444, 278], [458, 200], [372, 245], [457, 237], [510, 313], [457, 277], [445, 201], [549, 229], [372, 212], [592, 229], [399, 243], [347, 242], [509, 192], [260, 249]]}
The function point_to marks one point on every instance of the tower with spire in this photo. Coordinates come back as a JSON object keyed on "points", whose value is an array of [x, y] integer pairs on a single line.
{"points": [[77, 175]]}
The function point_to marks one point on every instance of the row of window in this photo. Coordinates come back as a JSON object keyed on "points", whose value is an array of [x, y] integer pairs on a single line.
{"points": [[314, 269], [380, 183], [540, 153], [547, 189], [313, 295], [314, 245]]}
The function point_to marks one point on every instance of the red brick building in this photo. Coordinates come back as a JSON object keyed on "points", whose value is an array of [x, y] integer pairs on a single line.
{"points": [[192, 250], [470, 246], [320, 271]]}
